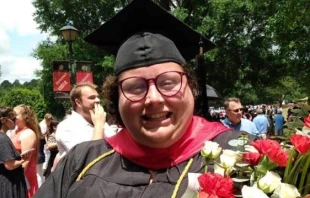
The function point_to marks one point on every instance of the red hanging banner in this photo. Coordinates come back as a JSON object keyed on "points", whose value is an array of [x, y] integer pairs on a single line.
{"points": [[61, 76], [83, 72], [61, 81], [82, 76]]}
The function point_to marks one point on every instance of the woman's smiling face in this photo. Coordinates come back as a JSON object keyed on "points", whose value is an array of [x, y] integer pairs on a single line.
{"points": [[157, 121]]}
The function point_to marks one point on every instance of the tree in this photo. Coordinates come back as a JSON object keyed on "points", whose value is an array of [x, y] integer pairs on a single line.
{"points": [[286, 88], [258, 42], [5, 84], [17, 96], [16, 83], [247, 57], [290, 28]]}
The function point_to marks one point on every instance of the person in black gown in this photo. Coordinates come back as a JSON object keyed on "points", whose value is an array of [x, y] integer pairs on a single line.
{"points": [[152, 93], [12, 179]]}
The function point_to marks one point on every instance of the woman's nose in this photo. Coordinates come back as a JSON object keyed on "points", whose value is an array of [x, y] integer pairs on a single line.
{"points": [[153, 95]]}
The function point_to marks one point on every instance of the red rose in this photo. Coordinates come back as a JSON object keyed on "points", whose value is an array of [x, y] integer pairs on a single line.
{"points": [[279, 157], [307, 121], [215, 186], [264, 146], [301, 143], [252, 158], [273, 150]]}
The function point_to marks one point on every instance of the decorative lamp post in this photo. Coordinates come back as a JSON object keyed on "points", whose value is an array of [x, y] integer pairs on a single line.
{"points": [[69, 33]]}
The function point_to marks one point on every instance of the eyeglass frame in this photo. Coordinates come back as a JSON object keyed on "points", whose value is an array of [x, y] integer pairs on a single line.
{"points": [[12, 119], [153, 80]]}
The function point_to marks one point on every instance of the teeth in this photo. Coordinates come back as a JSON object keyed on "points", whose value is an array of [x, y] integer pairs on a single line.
{"points": [[154, 116], [158, 116]]}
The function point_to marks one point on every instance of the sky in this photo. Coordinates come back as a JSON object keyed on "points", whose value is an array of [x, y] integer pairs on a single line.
{"points": [[19, 36]]}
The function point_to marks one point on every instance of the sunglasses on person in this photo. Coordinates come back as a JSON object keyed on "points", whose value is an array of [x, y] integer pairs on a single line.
{"points": [[13, 119], [136, 88], [237, 110]]}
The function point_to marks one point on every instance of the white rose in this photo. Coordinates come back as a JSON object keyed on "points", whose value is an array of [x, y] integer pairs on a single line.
{"points": [[269, 182], [229, 158], [285, 191], [226, 165], [219, 170], [211, 150], [227, 161], [233, 154], [252, 192]]}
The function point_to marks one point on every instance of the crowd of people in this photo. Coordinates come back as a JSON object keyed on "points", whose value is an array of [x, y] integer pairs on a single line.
{"points": [[148, 138], [25, 141], [30, 150], [259, 121], [154, 141]]}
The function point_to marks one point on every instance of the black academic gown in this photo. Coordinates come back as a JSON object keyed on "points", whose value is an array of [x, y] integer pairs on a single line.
{"points": [[115, 176]]}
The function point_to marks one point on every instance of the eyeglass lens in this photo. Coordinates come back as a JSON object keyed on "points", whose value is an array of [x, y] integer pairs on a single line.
{"points": [[167, 83], [13, 119]]}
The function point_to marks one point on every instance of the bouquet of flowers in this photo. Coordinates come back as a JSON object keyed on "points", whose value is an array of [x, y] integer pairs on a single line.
{"points": [[279, 171], [215, 184], [268, 169]]}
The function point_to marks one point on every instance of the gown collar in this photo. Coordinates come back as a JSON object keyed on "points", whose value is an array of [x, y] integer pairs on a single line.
{"points": [[199, 131]]}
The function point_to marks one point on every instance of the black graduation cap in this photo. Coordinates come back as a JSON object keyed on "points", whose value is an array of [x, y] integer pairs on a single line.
{"points": [[143, 33]]}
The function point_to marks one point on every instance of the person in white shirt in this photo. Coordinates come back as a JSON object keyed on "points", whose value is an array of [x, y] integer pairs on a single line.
{"points": [[48, 117], [86, 122]]}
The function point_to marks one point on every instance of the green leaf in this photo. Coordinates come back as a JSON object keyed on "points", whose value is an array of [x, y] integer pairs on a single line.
{"points": [[305, 170], [293, 175], [289, 165], [307, 185]]}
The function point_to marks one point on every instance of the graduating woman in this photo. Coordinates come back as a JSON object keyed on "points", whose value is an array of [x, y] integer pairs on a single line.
{"points": [[152, 92]]}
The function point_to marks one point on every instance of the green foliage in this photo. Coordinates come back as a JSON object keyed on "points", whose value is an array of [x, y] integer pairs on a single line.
{"points": [[297, 122], [17, 96], [262, 48], [52, 15], [303, 111], [286, 87], [33, 84], [180, 13]]}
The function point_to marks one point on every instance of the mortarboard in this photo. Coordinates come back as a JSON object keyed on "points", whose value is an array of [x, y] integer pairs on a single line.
{"points": [[143, 34]]}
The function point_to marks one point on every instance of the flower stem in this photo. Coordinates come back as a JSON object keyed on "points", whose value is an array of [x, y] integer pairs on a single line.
{"points": [[304, 171], [207, 161], [289, 165], [292, 178], [307, 186]]}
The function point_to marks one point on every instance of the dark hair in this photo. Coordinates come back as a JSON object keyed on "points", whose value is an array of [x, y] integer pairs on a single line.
{"points": [[5, 112], [51, 126], [111, 95]]}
